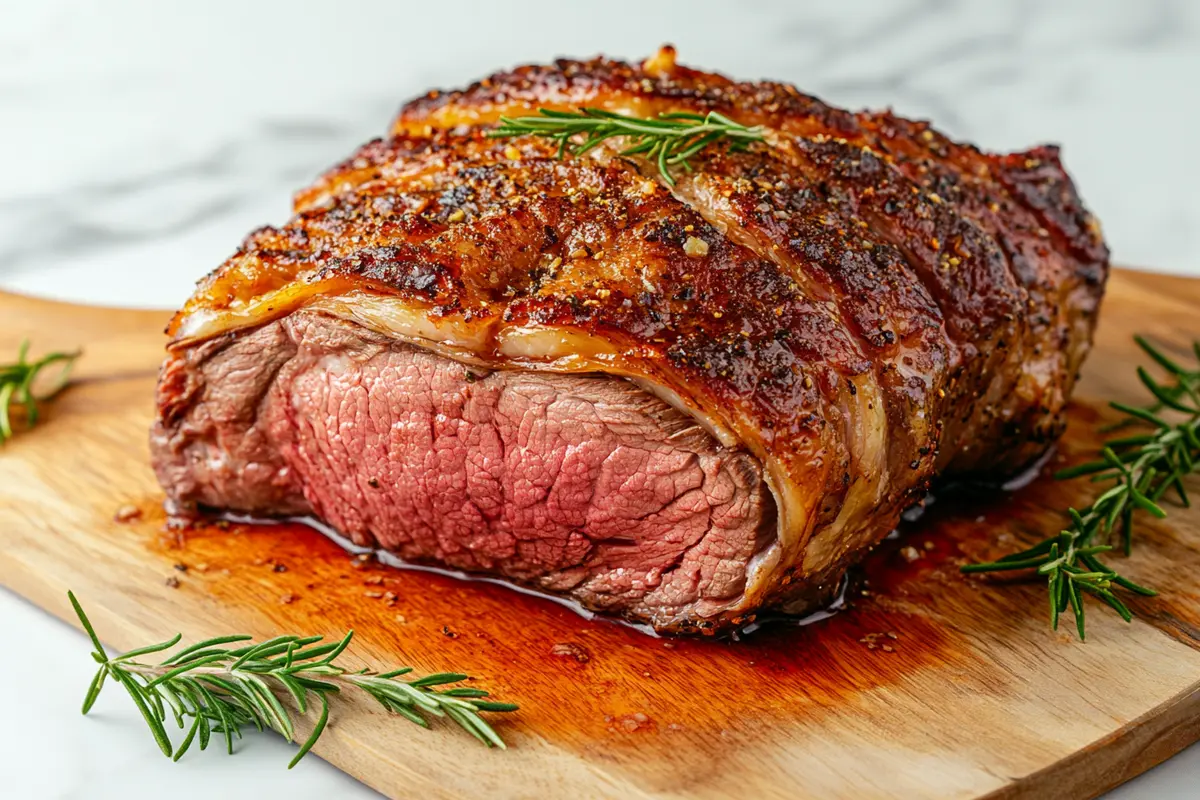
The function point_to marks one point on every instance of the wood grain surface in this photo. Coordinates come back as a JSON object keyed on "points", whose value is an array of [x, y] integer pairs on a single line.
{"points": [[931, 684]]}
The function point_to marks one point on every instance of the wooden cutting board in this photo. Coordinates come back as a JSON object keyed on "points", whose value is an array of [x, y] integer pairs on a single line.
{"points": [[931, 685]]}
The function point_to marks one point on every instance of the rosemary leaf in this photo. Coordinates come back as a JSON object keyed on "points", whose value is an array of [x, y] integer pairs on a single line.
{"points": [[668, 141], [16, 386], [223, 690], [318, 729], [1142, 468]]}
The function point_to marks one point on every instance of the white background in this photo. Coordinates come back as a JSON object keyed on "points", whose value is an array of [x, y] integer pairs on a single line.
{"points": [[142, 140]]}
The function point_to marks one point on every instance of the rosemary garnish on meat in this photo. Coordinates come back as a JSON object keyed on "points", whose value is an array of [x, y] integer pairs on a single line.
{"points": [[668, 140], [17, 386], [1143, 468], [223, 690]]}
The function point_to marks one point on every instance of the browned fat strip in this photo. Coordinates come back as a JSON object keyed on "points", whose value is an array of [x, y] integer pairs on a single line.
{"points": [[960, 264], [1053, 246]]}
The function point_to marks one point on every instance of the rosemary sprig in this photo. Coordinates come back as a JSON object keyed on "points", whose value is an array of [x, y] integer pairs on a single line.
{"points": [[16, 386], [223, 690], [1143, 468], [668, 140]]}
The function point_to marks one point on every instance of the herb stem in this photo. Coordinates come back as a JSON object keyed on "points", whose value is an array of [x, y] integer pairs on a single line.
{"points": [[668, 141], [1143, 469], [16, 386], [223, 690]]}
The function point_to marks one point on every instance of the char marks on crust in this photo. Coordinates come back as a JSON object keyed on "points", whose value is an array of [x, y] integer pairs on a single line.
{"points": [[793, 213], [1026, 202], [1023, 202]]}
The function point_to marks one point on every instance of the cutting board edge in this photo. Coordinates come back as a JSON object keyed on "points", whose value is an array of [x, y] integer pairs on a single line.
{"points": [[1144, 742], [1137, 747]]}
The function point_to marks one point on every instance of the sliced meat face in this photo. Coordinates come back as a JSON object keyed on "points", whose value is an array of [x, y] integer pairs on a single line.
{"points": [[585, 486]]}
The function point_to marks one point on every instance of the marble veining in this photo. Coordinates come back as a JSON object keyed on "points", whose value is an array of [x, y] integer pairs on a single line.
{"points": [[143, 140]]}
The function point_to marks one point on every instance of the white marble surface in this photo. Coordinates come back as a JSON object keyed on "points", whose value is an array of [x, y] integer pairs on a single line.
{"points": [[142, 140]]}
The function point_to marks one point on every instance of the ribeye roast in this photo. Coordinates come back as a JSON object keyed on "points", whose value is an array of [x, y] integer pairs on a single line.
{"points": [[679, 404]]}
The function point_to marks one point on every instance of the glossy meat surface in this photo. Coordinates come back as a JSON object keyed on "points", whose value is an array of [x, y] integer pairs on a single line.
{"points": [[857, 302]]}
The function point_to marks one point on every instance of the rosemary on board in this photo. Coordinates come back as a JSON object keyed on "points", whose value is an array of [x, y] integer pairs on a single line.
{"points": [[1143, 468], [668, 140], [17, 389], [223, 690]]}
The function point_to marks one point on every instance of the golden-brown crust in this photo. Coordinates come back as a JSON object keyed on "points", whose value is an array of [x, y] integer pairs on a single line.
{"points": [[856, 281], [1024, 202]]}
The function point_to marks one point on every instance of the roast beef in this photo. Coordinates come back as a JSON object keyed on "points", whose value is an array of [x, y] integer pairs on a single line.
{"points": [[680, 402]]}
